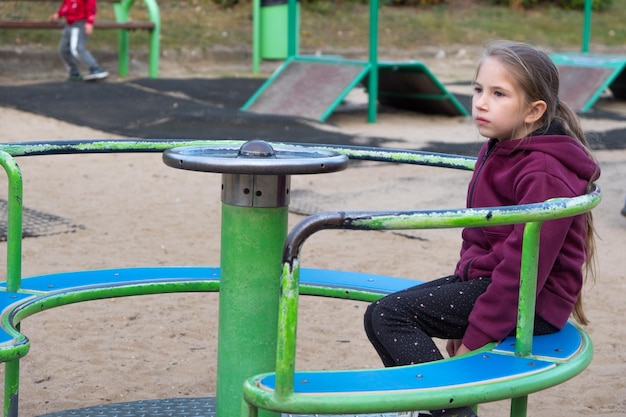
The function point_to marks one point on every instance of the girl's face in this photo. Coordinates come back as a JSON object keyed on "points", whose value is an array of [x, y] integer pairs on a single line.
{"points": [[499, 106]]}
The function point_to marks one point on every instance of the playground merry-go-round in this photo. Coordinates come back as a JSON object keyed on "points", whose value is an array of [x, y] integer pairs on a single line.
{"points": [[260, 280]]}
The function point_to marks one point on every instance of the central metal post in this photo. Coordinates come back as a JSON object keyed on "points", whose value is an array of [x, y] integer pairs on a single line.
{"points": [[254, 228], [255, 200]]}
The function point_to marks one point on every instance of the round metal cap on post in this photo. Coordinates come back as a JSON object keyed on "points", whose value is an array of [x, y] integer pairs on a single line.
{"points": [[255, 198], [257, 173], [255, 157]]}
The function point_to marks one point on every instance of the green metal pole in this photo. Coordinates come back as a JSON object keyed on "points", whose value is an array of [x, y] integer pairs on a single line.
{"points": [[155, 38], [11, 387], [14, 270], [256, 35], [373, 58], [121, 15], [587, 26], [251, 262], [528, 289], [526, 308], [292, 28], [519, 406], [14, 221]]}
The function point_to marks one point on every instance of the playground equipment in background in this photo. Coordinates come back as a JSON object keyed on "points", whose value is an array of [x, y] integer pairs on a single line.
{"points": [[255, 198], [122, 23], [269, 29], [585, 76], [313, 86]]}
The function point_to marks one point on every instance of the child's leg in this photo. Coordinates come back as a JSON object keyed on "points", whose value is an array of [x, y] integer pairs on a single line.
{"points": [[79, 46], [66, 52], [401, 325]]}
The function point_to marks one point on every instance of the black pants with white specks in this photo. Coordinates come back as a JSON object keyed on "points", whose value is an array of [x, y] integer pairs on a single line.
{"points": [[401, 325]]}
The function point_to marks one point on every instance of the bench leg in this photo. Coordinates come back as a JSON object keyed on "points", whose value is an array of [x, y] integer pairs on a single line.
{"points": [[122, 54], [155, 41], [121, 15]]}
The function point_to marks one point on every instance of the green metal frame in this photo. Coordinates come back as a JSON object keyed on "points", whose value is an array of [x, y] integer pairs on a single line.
{"points": [[20, 346], [292, 36], [14, 269], [14, 221], [14, 258], [615, 62], [587, 26], [284, 399], [122, 14], [371, 66]]}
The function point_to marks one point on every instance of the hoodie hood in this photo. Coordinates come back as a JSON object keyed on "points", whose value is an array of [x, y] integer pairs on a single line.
{"points": [[562, 148]]}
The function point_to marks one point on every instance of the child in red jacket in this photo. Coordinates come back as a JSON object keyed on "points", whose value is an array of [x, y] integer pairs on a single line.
{"points": [[79, 16]]}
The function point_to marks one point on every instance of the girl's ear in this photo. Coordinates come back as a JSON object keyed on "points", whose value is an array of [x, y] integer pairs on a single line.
{"points": [[535, 111]]}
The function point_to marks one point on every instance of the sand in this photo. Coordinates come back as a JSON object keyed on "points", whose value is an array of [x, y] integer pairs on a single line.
{"points": [[135, 211]]}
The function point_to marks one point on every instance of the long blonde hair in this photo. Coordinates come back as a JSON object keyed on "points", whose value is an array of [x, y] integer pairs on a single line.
{"points": [[538, 77]]}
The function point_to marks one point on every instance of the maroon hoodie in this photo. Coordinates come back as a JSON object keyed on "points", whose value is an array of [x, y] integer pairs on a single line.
{"points": [[523, 171], [74, 10]]}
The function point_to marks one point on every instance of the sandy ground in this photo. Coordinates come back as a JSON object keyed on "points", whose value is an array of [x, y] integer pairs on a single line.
{"points": [[136, 211]]}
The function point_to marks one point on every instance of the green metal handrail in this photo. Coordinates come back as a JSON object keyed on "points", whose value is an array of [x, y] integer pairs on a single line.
{"points": [[122, 14], [533, 215], [14, 221], [14, 267], [292, 47]]}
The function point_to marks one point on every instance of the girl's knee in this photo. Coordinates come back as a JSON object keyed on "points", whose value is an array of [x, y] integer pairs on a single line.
{"points": [[369, 311]]}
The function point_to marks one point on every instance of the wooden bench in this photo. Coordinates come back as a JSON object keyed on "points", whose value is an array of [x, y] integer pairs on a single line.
{"points": [[511, 369], [122, 23]]}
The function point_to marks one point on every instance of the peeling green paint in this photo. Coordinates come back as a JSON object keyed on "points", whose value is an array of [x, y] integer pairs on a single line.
{"points": [[105, 146], [160, 145]]}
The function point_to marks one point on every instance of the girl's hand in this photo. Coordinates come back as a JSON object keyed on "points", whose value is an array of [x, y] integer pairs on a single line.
{"points": [[462, 349], [88, 29], [455, 347], [54, 17], [452, 346]]}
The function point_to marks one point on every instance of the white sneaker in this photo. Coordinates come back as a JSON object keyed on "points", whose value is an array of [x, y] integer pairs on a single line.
{"points": [[97, 74]]}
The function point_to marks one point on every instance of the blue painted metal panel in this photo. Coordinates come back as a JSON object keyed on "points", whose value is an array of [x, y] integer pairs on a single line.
{"points": [[355, 280], [560, 345], [7, 300], [475, 369], [309, 276], [76, 279]]}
